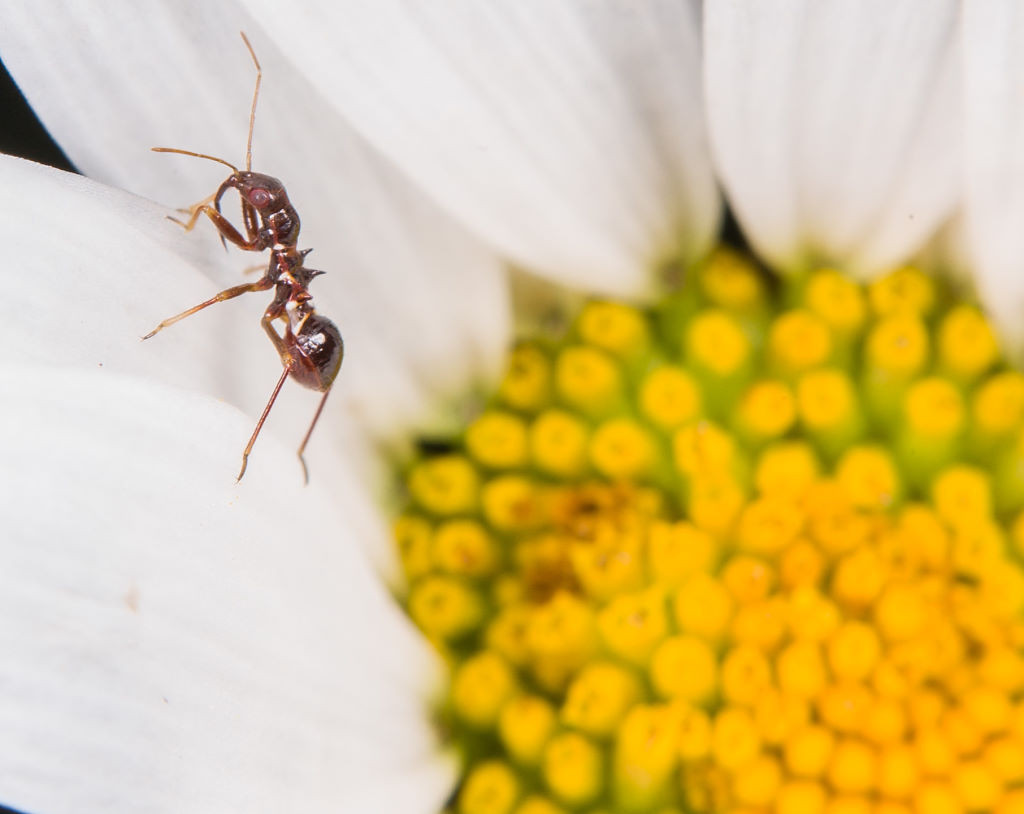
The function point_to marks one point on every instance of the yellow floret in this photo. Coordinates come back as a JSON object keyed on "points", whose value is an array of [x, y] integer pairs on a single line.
{"points": [[616, 328], [676, 551], [853, 767], [702, 448], [901, 612], [902, 291], [989, 708], [786, 470], [810, 615], [844, 705], [715, 343], [828, 409], [573, 769], [621, 449], [748, 579], [558, 443], [512, 503], [761, 624], [889, 681], [869, 477], [801, 565], [853, 651], [859, 577], [525, 725], [998, 406], [646, 755], [535, 804], [898, 772], [734, 738], [490, 788], [849, 804], [962, 494], [527, 381], [464, 548], [684, 667], [768, 525], [703, 607], [934, 754], [670, 397], [561, 638], [934, 408], [746, 673], [808, 751], [444, 607], [925, 534], [632, 625], [480, 688], [800, 797], [497, 440], [967, 345], [767, 410], [1011, 803], [892, 807], [694, 731], [413, 536], [936, 798], [961, 732], [897, 346], [885, 722], [609, 565], [1005, 756], [714, 503], [445, 485], [837, 300], [758, 782], [976, 785], [730, 280], [588, 380], [797, 341], [506, 634], [599, 697], [778, 715], [800, 669]]}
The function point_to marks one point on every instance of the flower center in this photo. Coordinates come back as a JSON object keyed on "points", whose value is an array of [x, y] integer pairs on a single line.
{"points": [[744, 550]]}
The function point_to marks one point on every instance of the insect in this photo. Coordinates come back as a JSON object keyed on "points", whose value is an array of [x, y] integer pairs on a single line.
{"points": [[310, 345]]}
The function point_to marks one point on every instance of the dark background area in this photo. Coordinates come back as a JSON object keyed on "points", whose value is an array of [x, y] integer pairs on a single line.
{"points": [[21, 133]]}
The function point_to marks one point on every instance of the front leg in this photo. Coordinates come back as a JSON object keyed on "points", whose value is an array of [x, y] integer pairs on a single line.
{"points": [[253, 243]]}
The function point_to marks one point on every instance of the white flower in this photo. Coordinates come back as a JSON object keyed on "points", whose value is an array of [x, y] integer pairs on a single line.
{"points": [[174, 642]]}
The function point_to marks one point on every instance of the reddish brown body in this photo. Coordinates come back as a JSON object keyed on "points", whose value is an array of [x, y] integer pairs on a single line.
{"points": [[310, 346]]}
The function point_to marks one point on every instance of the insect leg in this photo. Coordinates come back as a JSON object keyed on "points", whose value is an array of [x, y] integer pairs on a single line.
{"points": [[227, 294], [263, 417], [309, 432]]}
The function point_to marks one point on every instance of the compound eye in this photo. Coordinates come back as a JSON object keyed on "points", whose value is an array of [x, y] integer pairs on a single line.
{"points": [[259, 197]]}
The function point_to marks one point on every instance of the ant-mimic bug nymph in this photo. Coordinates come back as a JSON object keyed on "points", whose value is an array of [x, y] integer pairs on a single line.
{"points": [[310, 347]]}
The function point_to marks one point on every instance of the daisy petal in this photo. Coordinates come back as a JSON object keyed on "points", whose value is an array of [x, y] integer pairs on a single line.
{"points": [[834, 125], [993, 32], [568, 134], [422, 305], [176, 642], [92, 269], [131, 78]]}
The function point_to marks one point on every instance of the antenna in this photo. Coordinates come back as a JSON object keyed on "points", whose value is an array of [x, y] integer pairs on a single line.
{"points": [[194, 155], [255, 97]]}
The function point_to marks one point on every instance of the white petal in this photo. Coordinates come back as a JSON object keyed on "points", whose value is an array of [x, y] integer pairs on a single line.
{"points": [[568, 134], [89, 269], [993, 38], [835, 125], [175, 642], [422, 305]]}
